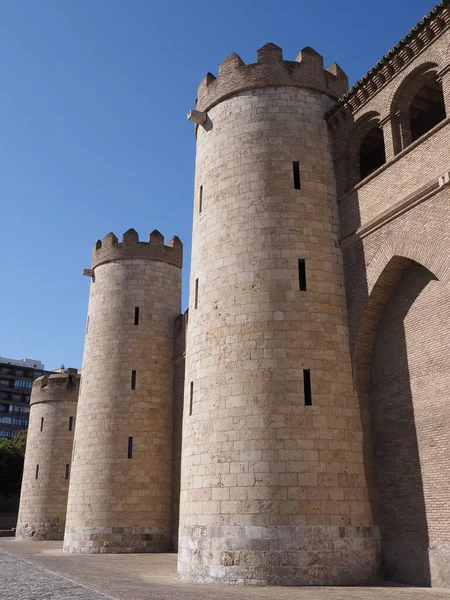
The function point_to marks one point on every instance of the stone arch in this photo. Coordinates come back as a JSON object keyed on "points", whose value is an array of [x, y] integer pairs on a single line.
{"points": [[383, 272], [403, 100], [429, 59], [422, 251], [415, 267], [367, 123]]}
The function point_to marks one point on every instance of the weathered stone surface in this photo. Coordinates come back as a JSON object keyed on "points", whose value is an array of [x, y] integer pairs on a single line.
{"points": [[45, 483], [120, 489], [255, 457]]}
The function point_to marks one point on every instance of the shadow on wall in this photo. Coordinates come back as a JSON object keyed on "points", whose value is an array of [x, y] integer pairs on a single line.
{"points": [[399, 374], [403, 516], [383, 379]]}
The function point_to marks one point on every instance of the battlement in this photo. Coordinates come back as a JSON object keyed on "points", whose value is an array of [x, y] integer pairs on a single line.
{"points": [[59, 385], [271, 70], [110, 249]]}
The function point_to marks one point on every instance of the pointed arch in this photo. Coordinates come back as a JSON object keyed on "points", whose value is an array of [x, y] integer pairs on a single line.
{"points": [[424, 251]]}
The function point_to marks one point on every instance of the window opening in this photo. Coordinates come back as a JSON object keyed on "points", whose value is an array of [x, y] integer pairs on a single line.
{"points": [[136, 315], [130, 447], [307, 387], [302, 274], [196, 294], [296, 169], [371, 152], [70, 423], [191, 398], [427, 108], [200, 200], [133, 380]]}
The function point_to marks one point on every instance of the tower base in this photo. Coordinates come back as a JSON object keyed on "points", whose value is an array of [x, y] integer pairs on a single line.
{"points": [[40, 531], [282, 555], [116, 540]]}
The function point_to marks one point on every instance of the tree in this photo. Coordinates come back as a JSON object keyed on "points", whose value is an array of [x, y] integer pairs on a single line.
{"points": [[11, 467], [21, 440]]}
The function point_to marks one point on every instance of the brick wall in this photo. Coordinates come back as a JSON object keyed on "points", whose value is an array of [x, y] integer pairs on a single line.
{"points": [[395, 235]]}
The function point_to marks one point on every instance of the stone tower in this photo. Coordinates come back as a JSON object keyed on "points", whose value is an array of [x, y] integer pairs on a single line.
{"points": [[120, 492], [273, 487], [45, 483]]}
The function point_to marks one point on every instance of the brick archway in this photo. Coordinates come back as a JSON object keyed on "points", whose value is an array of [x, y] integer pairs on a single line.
{"points": [[383, 272], [392, 378]]}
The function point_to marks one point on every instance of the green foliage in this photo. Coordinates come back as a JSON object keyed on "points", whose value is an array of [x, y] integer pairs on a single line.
{"points": [[21, 440], [11, 467]]}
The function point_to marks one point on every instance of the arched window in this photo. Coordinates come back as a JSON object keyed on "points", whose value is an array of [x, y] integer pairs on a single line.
{"points": [[427, 108], [418, 106], [371, 152], [366, 151]]}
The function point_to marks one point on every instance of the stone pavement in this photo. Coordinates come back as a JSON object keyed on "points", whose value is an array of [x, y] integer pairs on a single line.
{"points": [[40, 571]]}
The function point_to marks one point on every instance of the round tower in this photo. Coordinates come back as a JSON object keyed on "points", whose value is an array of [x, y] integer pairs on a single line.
{"points": [[273, 487], [120, 489], [45, 483]]}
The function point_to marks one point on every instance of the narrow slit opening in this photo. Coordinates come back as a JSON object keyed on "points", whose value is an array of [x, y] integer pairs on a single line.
{"points": [[200, 199], [307, 387], [133, 380], [42, 423], [191, 398], [302, 274], [296, 169], [196, 294], [67, 472], [136, 315], [130, 447]]}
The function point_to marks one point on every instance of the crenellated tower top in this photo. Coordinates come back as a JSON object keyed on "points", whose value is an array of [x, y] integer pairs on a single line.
{"points": [[61, 385], [271, 70], [110, 249]]}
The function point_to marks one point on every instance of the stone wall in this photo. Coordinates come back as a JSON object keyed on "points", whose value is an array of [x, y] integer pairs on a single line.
{"points": [[273, 490], [45, 483], [120, 492]]}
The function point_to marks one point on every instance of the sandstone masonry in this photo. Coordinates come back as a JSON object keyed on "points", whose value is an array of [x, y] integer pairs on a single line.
{"points": [[120, 488], [315, 353], [45, 483]]}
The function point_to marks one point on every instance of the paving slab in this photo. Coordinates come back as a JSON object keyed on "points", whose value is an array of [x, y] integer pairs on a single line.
{"points": [[41, 571]]}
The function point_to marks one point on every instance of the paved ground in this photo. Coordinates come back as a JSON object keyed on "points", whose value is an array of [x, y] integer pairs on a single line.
{"points": [[40, 571]]}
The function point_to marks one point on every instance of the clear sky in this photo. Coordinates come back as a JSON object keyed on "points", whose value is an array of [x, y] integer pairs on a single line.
{"points": [[94, 137]]}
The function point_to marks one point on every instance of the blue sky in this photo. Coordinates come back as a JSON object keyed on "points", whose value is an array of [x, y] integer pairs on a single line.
{"points": [[94, 137]]}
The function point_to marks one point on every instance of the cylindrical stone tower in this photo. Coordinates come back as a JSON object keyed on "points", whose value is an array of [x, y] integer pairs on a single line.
{"points": [[120, 489], [273, 486], [45, 483]]}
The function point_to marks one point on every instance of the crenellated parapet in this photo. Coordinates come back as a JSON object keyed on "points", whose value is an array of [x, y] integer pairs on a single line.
{"points": [[271, 70], [110, 249], [57, 386]]}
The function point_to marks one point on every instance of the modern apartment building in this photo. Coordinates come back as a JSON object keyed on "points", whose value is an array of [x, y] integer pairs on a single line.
{"points": [[16, 379]]}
